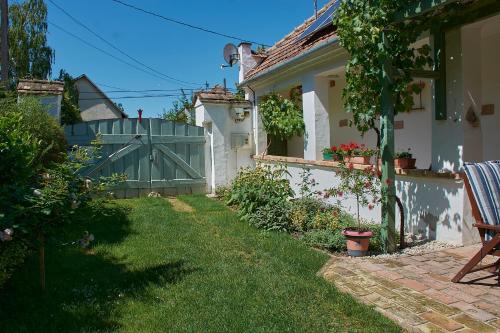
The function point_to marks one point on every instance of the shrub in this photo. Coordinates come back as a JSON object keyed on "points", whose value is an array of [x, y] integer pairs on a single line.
{"points": [[259, 187], [303, 212], [223, 192], [331, 240], [44, 128], [12, 254], [272, 218]]}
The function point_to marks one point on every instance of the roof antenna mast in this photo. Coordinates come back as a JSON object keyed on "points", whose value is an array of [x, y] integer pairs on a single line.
{"points": [[315, 8]]}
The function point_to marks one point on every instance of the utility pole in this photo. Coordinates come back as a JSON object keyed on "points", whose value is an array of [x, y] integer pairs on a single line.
{"points": [[4, 27]]}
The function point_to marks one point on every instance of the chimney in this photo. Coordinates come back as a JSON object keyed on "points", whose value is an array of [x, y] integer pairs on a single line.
{"points": [[247, 61]]}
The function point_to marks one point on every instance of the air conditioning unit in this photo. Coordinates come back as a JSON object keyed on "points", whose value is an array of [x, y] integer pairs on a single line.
{"points": [[239, 114], [240, 140]]}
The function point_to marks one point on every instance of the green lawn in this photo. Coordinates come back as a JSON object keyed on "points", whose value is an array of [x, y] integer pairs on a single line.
{"points": [[154, 269]]}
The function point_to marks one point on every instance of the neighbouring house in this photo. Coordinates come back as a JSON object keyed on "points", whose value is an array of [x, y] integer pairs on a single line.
{"points": [[49, 93], [93, 102], [228, 127], [464, 127]]}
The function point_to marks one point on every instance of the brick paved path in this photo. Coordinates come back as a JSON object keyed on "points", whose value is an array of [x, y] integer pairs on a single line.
{"points": [[416, 291]]}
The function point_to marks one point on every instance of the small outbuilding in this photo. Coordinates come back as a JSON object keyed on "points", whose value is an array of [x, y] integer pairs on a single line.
{"points": [[49, 93]]}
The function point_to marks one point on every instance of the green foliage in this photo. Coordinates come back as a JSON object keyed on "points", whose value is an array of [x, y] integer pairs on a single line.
{"points": [[327, 239], [272, 217], [307, 184], [70, 111], [182, 111], [303, 212], [360, 26], [403, 154], [281, 117], [44, 128], [364, 185], [30, 55], [259, 187], [12, 254]]}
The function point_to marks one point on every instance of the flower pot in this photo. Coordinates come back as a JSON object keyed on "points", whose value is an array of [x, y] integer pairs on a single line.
{"points": [[404, 163], [357, 159], [327, 156], [357, 242]]}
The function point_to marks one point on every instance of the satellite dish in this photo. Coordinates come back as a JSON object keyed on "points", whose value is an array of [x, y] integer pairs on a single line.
{"points": [[231, 54]]}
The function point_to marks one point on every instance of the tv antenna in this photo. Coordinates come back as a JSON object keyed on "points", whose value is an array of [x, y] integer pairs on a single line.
{"points": [[231, 55]]}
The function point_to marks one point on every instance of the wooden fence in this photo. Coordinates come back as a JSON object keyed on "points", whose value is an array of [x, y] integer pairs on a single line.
{"points": [[155, 154]]}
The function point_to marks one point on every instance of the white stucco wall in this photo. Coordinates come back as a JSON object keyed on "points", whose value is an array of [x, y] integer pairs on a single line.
{"points": [[93, 104], [227, 161], [434, 207]]}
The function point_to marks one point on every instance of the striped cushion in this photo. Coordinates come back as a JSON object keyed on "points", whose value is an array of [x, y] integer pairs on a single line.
{"points": [[484, 179]]}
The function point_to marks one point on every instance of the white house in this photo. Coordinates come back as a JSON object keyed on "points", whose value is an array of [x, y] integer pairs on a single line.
{"points": [[93, 102], [433, 195], [228, 125]]}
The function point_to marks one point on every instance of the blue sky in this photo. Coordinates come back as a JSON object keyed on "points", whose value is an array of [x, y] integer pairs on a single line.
{"points": [[174, 50]]}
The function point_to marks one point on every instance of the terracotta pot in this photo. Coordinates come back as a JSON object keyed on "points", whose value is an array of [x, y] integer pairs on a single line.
{"points": [[357, 242], [327, 156], [405, 163], [357, 159]]}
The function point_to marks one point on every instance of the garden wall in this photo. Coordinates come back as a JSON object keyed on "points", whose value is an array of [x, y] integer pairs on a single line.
{"points": [[436, 205]]}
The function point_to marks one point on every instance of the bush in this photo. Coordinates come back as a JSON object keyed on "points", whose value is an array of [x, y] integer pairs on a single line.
{"points": [[44, 128], [331, 240], [259, 187], [12, 254], [272, 218], [303, 212]]}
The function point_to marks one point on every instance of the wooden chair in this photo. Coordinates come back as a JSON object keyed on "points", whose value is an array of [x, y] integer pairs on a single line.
{"points": [[482, 182]]}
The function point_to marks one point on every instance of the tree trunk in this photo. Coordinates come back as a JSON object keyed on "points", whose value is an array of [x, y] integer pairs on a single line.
{"points": [[41, 260]]}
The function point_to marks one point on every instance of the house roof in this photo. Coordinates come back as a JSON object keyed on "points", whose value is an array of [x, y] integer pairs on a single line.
{"points": [[292, 46], [40, 87], [99, 91], [219, 95]]}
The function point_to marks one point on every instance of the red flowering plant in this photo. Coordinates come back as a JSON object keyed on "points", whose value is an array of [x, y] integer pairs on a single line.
{"points": [[355, 149], [363, 184]]}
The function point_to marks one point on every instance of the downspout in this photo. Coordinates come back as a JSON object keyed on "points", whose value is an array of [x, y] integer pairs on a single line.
{"points": [[254, 147]]}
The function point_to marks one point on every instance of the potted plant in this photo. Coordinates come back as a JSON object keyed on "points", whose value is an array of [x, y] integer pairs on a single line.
{"points": [[404, 160], [363, 185], [356, 153], [327, 154]]}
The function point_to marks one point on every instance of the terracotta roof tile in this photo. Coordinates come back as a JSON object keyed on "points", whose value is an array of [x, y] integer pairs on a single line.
{"points": [[290, 47], [219, 95]]}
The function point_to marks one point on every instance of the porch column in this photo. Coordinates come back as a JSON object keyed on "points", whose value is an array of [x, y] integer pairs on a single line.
{"points": [[388, 189], [316, 118]]}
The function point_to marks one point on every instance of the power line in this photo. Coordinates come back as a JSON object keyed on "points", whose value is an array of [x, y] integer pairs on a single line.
{"points": [[116, 48], [129, 97], [148, 90], [105, 52], [187, 24]]}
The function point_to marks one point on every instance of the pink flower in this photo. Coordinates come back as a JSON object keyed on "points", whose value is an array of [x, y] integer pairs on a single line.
{"points": [[340, 193], [351, 166], [371, 206]]}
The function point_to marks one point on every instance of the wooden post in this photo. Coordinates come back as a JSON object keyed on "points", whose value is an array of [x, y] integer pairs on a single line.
{"points": [[4, 27], [387, 150]]}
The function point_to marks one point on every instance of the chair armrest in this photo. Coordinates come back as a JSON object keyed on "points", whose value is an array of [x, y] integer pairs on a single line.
{"points": [[487, 226]]}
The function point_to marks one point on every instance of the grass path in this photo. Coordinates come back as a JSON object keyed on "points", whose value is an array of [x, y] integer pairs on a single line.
{"points": [[157, 269]]}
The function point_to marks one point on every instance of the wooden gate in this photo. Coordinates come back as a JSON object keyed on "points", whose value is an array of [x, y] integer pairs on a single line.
{"points": [[155, 154]]}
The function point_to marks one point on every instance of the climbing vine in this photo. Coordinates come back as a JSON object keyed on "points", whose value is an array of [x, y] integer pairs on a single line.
{"points": [[281, 117], [360, 25]]}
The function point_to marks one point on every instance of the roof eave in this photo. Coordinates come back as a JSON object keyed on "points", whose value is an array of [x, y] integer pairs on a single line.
{"points": [[289, 62]]}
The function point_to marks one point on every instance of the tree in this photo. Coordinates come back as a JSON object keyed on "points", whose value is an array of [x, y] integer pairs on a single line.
{"points": [[70, 111], [182, 111], [30, 55]]}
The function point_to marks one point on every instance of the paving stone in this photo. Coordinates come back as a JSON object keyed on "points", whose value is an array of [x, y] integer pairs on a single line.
{"points": [[406, 316], [430, 328], [473, 324], [415, 285], [439, 307], [342, 271], [388, 274], [495, 323], [483, 305], [461, 295], [439, 277], [473, 311], [442, 321], [440, 296]]}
